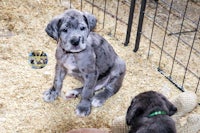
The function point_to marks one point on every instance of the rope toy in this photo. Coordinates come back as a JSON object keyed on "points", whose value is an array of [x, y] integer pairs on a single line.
{"points": [[185, 103]]}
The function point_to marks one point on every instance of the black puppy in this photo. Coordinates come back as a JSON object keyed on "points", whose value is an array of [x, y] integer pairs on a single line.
{"points": [[150, 112]]}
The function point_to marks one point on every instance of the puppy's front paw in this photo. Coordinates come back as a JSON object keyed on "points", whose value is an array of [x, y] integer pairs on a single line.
{"points": [[50, 95], [83, 109]]}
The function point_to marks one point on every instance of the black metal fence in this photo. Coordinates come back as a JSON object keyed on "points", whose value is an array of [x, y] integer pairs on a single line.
{"points": [[172, 28], [179, 41]]}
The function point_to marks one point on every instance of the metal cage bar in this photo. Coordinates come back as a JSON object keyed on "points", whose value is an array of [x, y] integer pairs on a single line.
{"points": [[152, 30], [92, 6], [81, 5], [190, 52], [104, 13], [197, 86], [130, 22], [116, 19], [140, 24], [165, 33], [70, 4], [179, 37]]}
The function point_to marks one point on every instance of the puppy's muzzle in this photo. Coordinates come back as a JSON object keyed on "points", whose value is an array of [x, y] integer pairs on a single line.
{"points": [[75, 41]]}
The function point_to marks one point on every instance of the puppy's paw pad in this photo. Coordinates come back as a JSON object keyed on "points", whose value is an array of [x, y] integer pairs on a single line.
{"points": [[97, 102], [72, 94], [50, 95], [80, 114]]}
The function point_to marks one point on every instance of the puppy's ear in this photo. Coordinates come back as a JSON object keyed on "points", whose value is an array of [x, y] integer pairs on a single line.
{"points": [[172, 109], [90, 20], [53, 27], [132, 113]]}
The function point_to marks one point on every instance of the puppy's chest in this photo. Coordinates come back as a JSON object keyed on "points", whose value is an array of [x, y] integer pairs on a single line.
{"points": [[70, 63]]}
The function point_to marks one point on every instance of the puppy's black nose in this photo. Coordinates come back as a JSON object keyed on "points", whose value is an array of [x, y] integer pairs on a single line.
{"points": [[75, 41]]}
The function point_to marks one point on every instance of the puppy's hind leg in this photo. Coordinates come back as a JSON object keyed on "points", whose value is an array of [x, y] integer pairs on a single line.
{"points": [[116, 78]]}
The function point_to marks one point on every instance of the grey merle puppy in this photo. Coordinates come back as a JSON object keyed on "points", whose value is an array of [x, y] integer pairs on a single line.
{"points": [[86, 56], [150, 112]]}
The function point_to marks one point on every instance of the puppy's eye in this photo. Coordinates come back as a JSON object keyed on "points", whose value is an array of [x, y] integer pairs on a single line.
{"points": [[64, 30], [82, 28]]}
